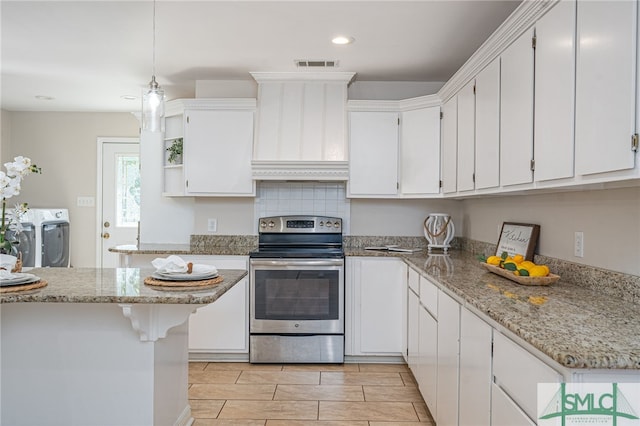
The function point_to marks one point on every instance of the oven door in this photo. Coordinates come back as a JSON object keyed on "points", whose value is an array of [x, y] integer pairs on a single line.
{"points": [[297, 296]]}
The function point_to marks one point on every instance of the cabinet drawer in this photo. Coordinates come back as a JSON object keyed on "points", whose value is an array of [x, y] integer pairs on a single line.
{"points": [[504, 412], [414, 281], [429, 296], [518, 373]]}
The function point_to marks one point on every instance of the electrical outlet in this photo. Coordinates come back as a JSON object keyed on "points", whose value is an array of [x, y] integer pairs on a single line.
{"points": [[578, 244], [212, 225], [86, 201]]}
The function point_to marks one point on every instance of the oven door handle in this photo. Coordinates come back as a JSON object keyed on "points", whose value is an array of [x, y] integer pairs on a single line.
{"points": [[296, 262]]}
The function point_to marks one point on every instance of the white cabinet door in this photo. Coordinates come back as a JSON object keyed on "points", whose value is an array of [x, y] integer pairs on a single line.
{"points": [[466, 137], [428, 359], [373, 153], [475, 370], [413, 331], [420, 152], [516, 112], [217, 152], [449, 146], [554, 92], [487, 148], [505, 412], [517, 372], [605, 86], [375, 326], [448, 360], [222, 326]]}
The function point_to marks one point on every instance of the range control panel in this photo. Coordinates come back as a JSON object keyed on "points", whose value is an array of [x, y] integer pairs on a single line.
{"points": [[298, 224]]}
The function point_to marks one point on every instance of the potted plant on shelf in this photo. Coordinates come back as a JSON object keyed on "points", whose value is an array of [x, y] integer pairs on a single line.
{"points": [[175, 151]]}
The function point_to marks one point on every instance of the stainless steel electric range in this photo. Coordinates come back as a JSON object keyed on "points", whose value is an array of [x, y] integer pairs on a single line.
{"points": [[297, 291]]}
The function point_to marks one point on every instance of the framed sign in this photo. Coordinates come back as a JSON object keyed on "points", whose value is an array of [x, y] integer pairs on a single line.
{"points": [[518, 238]]}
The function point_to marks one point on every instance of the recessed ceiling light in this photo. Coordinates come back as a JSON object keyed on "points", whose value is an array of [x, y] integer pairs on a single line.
{"points": [[343, 40], [129, 97], [44, 98]]}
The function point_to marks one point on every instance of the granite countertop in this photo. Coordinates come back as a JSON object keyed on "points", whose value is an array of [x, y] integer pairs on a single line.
{"points": [[567, 321], [184, 249], [117, 285], [573, 325]]}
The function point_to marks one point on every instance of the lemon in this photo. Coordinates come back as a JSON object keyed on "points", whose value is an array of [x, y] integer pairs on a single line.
{"points": [[493, 260], [526, 264], [546, 268], [538, 271], [518, 258]]}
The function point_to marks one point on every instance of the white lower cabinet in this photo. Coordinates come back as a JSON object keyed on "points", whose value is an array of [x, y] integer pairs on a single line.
{"points": [[374, 288], [413, 321], [448, 360], [426, 373], [517, 373], [221, 327], [505, 412], [475, 370]]}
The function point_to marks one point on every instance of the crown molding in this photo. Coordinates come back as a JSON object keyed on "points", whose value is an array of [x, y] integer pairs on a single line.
{"points": [[178, 106], [394, 106], [517, 23]]}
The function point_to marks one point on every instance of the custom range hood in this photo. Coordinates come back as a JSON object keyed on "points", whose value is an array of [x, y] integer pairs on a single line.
{"points": [[301, 126]]}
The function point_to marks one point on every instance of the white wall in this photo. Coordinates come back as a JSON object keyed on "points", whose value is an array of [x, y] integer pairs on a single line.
{"points": [[392, 90], [64, 145], [399, 217], [609, 218], [235, 216]]}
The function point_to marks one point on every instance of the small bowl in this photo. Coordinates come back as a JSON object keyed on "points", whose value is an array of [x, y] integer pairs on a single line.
{"points": [[8, 262]]}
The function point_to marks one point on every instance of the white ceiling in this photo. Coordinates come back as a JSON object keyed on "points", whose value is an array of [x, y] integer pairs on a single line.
{"points": [[87, 54]]}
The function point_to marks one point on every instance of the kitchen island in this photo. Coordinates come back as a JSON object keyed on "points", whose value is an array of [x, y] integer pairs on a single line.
{"points": [[98, 347]]}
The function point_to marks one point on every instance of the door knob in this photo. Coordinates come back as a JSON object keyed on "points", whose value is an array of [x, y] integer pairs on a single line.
{"points": [[107, 224], [106, 235]]}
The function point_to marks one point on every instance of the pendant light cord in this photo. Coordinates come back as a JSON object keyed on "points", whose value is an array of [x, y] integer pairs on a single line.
{"points": [[153, 62]]}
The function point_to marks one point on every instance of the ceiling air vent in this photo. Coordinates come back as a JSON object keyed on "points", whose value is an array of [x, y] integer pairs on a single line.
{"points": [[306, 63]]}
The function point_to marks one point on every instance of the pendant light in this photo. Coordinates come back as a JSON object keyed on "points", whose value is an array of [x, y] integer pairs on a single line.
{"points": [[153, 96]]}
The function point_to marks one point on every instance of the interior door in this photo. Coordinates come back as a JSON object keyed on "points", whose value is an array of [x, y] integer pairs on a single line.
{"points": [[120, 202]]}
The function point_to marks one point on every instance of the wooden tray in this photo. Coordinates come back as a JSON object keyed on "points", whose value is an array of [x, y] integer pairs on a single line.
{"points": [[182, 285], [549, 279], [23, 287]]}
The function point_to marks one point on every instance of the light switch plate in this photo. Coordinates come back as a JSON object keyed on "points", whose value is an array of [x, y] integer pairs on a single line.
{"points": [[212, 225], [578, 244], [86, 201]]}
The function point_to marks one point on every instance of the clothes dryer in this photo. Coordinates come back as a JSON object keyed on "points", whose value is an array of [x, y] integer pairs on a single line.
{"points": [[52, 237]]}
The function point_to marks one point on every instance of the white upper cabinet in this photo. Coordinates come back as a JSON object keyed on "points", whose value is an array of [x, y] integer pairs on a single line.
{"points": [[373, 149], [420, 151], [605, 86], [466, 137], [487, 147], [449, 146], [516, 111], [217, 141], [394, 148], [554, 93], [217, 153]]}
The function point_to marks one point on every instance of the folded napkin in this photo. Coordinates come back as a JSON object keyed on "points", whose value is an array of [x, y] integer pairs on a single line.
{"points": [[176, 265]]}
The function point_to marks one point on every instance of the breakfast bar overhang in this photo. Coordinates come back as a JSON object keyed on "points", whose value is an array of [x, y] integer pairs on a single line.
{"points": [[98, 347]]}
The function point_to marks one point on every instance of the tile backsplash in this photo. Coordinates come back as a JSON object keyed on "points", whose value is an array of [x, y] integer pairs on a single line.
{"points": [[306, 198]]}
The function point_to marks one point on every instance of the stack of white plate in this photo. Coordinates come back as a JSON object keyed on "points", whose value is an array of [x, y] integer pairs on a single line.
{"points": [[18, 278]]}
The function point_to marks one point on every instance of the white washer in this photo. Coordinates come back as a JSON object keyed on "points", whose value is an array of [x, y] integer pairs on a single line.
{"points": [[52, 237]]}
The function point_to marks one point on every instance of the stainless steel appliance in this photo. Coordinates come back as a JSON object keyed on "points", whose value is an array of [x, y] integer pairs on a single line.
{"points": [[297, 291]]}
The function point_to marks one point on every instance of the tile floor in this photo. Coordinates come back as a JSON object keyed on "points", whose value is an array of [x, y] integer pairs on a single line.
{"points": [[301, 395]]}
